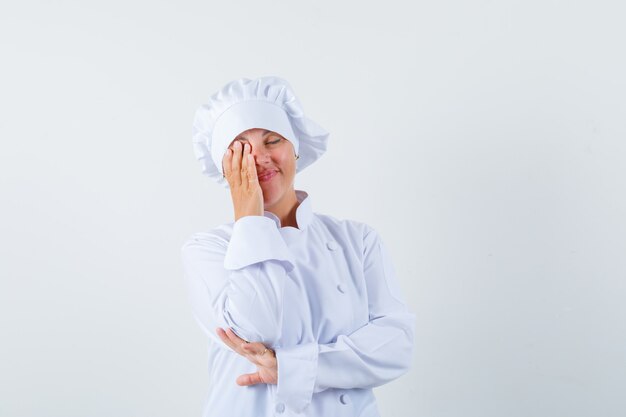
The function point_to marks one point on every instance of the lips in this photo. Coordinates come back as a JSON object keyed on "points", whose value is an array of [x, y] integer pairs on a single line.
{"points": [[267, 175]]}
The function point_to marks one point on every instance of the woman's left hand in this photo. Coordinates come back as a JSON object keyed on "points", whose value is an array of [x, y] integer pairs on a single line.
{"points": [[263, 357]]}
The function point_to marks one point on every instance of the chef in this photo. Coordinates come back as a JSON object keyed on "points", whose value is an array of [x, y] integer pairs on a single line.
{"points": [[302, 311]]}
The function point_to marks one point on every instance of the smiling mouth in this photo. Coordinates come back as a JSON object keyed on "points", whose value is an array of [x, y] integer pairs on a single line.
{"points": [[266, 176]]}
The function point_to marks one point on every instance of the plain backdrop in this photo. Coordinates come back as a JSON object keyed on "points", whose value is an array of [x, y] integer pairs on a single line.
{"points": [[484, 140]]}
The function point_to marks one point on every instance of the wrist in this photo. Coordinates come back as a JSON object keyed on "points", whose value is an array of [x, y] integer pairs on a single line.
{"points": [[240, 215]]}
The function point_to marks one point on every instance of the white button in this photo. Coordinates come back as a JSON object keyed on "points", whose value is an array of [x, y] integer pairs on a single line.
{"points": [[280, 407], [340, 288], [344, 399], [332, 245]]}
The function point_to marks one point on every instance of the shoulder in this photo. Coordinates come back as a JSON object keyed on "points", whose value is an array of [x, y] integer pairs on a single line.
{"points": [[359, 230]]}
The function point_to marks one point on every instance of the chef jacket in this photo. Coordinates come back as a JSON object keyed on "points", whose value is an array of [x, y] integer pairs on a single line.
{"points": [[323, 295]]}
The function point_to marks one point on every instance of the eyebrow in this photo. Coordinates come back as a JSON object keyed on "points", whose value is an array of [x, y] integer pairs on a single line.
{"points": [[265, 132]]}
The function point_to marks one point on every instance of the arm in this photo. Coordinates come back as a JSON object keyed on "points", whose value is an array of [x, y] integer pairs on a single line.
{"points": [[373, 355], [239, 284]]}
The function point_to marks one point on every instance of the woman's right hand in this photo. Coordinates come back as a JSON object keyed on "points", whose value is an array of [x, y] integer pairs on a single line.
{"points": [[240, 172]]}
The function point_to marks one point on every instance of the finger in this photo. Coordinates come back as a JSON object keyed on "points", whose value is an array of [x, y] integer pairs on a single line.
{"points": [[236, 340], [255, 348], [236, 163], [224, 337], [226, 162], [244, 166], [253, 179], [258, 354], [249, 379]]}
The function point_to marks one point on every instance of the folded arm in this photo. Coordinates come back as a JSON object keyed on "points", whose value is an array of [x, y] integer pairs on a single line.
{"points": [[239, 283]]}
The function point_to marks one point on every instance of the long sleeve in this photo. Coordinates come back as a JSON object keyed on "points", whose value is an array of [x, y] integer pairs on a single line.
{"points": [[376, 353], [239, 283]]}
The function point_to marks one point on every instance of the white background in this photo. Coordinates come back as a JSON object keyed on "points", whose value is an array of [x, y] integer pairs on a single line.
{"points": [[484, 140]]}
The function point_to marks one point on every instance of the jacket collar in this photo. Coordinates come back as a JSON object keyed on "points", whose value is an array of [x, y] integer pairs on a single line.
{"points": [[304, 212]]}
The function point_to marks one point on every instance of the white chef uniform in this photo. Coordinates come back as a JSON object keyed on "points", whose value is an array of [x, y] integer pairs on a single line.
{"points": [[324, 296]]}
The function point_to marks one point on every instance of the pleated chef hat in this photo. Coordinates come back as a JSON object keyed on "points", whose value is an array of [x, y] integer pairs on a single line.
{"points": [[265, 103]]}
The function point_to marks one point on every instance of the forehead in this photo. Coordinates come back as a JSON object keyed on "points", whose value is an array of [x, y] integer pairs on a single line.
{"points": [[253, 133]]}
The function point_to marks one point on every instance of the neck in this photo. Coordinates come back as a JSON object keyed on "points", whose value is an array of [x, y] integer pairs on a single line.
{"points": [[285, 209]]}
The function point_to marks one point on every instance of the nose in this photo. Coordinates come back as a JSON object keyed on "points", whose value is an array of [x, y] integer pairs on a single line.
{"points": [[260, 154]]}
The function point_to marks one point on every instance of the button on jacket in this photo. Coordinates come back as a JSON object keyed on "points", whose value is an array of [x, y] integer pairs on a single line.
{"points": [[324, 296]]}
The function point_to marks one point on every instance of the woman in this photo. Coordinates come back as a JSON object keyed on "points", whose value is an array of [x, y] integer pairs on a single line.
{"points": [[302, 310]]}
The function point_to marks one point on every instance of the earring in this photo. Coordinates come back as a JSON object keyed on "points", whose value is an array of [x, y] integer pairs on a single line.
{"points": [[297, 156]]}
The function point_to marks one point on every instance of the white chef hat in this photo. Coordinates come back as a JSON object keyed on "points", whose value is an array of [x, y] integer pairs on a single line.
{"points": [[265, 103]]}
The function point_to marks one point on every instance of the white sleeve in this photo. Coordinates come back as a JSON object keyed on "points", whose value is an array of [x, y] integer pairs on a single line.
{"points": [[373, 355], [239, 284]]}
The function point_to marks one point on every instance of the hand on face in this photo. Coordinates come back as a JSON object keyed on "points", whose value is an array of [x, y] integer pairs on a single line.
{"points": [[257, 353], [240, 172]]}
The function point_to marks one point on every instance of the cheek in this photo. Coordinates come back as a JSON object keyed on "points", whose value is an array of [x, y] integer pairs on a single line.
{"points": [[287, 162]]}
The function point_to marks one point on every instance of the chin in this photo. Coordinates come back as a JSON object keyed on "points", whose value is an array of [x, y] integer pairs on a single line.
{"points": [[272, 195], [270, 201]]}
